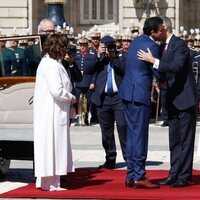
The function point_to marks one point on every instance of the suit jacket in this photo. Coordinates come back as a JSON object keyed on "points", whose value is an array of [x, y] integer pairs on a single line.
{"points": [[182, 90], [197, 73], [100, 70], [137, 83]]}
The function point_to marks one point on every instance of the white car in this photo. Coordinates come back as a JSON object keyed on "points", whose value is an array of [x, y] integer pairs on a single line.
{"points": [[16, 120]]}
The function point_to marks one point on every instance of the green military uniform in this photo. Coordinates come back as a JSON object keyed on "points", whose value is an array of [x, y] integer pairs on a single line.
{"points": [[7, 61], [20, 59], [33, 58]]}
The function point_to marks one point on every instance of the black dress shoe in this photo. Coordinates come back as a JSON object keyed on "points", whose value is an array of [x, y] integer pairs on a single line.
{"points": [[129, 183], [164, 124], [107, 165], [168, 181], [180, 183]]}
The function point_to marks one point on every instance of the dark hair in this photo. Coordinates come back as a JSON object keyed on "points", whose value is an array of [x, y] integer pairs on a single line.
{"points": [[152, 24], [56, 46]]}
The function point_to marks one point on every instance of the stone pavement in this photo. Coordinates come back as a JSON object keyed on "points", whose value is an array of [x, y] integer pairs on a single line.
{"points": [[88, 152]]}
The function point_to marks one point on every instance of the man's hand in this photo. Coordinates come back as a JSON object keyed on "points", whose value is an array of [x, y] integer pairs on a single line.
{"points": [[101, 49], [146, 56], [92, 86]]}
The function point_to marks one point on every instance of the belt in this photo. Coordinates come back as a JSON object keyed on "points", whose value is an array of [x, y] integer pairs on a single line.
{"points": [[111, 95]]}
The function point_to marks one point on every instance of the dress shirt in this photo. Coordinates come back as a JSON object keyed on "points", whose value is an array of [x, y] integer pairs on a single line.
{"points": [[115, 89], [157, 61]]}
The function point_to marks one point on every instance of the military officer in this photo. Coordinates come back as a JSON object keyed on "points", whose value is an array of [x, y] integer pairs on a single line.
{"points": [[85, 58], [21, 64], [95, 40], [118, 41], [126, 41], [33, 57], [7, 59]]}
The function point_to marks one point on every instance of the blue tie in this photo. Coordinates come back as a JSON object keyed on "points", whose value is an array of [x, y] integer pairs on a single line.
{"points": [[109, 79]]}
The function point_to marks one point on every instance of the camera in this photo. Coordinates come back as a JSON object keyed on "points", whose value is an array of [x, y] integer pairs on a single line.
{"points": [[111, 47], [71, 50]]}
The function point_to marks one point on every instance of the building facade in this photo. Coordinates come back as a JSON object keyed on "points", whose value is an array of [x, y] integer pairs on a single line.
{"points": [[23, 16]]}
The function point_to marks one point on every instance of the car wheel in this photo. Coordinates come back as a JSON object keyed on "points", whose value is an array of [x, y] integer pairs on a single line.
{"points": [[4, 166]]}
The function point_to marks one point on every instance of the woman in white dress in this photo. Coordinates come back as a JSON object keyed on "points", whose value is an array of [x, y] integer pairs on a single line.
{"points": [[52, 100]]}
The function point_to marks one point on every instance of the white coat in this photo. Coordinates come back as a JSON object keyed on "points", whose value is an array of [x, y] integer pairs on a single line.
{"points": [[52, 95]]}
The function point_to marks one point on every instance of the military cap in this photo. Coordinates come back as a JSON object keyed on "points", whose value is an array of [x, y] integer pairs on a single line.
{"points": [[83, 41], [127, 37], [134, 29], [117, 37], [96, 35], [71, 36], [196, 43]]}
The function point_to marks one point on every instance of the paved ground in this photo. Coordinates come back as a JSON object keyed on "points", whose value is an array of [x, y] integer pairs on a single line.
{"points": [[88, 152]]}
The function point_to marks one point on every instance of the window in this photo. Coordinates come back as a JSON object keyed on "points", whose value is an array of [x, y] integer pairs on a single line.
{"points": [[98, 11]]}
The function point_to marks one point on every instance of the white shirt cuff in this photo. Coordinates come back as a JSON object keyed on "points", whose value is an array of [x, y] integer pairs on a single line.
{"points": [[156, 63]]}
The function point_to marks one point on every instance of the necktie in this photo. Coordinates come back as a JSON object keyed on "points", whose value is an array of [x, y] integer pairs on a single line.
{"points": [[109, 79], [164, 49]]}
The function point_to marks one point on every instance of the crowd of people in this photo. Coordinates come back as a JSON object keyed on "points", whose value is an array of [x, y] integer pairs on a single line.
{"points": [[110, 78]]}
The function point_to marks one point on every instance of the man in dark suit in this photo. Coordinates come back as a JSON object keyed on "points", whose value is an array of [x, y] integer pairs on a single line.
{"points": [[109, 74], [135, 90], [181, 105]]}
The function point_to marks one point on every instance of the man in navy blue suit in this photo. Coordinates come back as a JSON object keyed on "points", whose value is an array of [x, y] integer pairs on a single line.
{"points": [[181, 105], [135, 90]]}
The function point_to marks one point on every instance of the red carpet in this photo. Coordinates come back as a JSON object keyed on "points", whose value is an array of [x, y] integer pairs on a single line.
{"points": [[109, 184]]}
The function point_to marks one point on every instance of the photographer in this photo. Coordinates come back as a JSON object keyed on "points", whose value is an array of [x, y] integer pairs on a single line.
{"points": [[73, 72], [109, 74]]}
